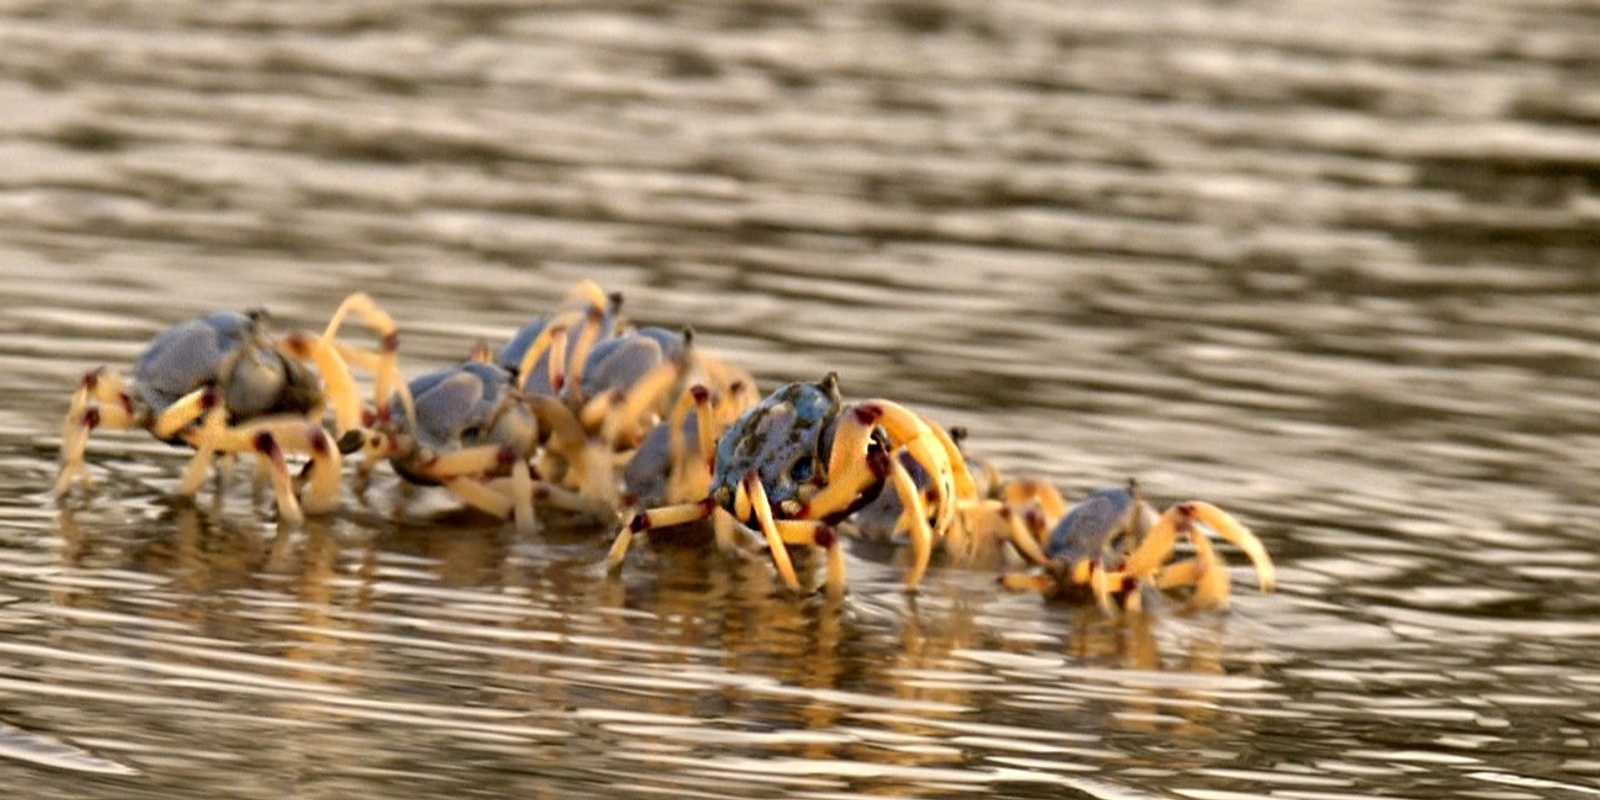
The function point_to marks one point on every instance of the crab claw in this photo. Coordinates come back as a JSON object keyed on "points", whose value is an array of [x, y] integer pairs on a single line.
{"points": [[1239, 536]]}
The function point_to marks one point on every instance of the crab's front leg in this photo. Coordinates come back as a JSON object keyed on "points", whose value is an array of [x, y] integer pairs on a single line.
{"points": [[907, 431], [100, 401], [1207, 572], [751, 499]]}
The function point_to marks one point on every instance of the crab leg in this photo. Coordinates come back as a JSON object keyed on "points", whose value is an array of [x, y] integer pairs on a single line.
{"points": [[1022, 491], [212, 426], [544, 493], [1021, 537], [540, 346], [754, 494], [921, 534], [1236, 533], [620, 413], [480, 496], [522, 496], [111, 408], [816, 533], [847, 485], [965, 487], [322, 490], [270, 437], [580, 355], [460, 471], [663, 517], [332, 358], [691, 469], [1159, 541], [183, 411]]}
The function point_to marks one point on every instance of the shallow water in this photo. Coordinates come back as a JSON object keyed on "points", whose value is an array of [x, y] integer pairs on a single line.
{"points": [[1329, 265]]}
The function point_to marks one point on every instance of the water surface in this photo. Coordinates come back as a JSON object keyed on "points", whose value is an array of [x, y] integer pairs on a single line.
{"points": [[1329, 265]]}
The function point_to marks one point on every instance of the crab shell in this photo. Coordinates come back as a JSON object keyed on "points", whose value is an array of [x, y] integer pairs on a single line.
{"points": [[462, 406], [786, 440], [228, 350]]}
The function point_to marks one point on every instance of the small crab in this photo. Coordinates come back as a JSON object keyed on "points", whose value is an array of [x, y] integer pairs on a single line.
{"points": [[799, 462], [221, 384], [1112, 543], [469, 429], [598, 385]]}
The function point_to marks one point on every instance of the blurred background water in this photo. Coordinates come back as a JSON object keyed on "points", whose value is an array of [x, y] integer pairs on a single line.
{"points": [[1333, 266]]}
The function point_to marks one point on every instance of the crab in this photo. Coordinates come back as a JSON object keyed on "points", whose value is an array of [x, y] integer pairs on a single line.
{"points": [[598, 386], [1113, 543], [222, 385], [793, 466], [471, 430]]}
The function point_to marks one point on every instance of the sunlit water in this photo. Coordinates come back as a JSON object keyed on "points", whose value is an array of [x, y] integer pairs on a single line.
{"points": [[1333, 266]]}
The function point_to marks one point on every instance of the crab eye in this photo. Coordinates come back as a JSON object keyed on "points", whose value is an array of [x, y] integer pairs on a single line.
{"points": [[802, 469]]}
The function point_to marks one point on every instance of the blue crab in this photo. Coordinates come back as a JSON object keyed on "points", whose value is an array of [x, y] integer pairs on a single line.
{"points": [[793, 466], [471, 430], [222, 385], [1113, 543]]}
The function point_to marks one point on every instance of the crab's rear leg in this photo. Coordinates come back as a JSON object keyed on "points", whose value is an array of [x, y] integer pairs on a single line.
{"points": [[333, 357], [462, 473], [586, 309], [270, 438], [661, 517], [588, 466]]}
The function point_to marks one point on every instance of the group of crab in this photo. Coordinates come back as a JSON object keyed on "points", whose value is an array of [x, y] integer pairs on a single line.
{"points": [[581, 412]]}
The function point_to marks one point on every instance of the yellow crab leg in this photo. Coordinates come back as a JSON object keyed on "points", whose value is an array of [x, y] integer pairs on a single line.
{"points": [[282, 484], [541, 345], [619, 413], [474, 493], [1022, 538], [183, 411], [1021, 491], [111, 410], [544, 493], [662, 517], [965, 487], [468, 461], [815, 533], [757, 494], [1100, 581], [845, 486], [1159, 541], [522, 497], [921, 534], [336, 374], [1028, 582], [212, 429], [1232, 530], [559, 342], [580, 355], [283, 433]]}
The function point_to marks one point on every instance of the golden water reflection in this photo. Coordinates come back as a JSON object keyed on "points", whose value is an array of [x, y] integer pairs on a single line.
{"points": [[469, 637]]}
